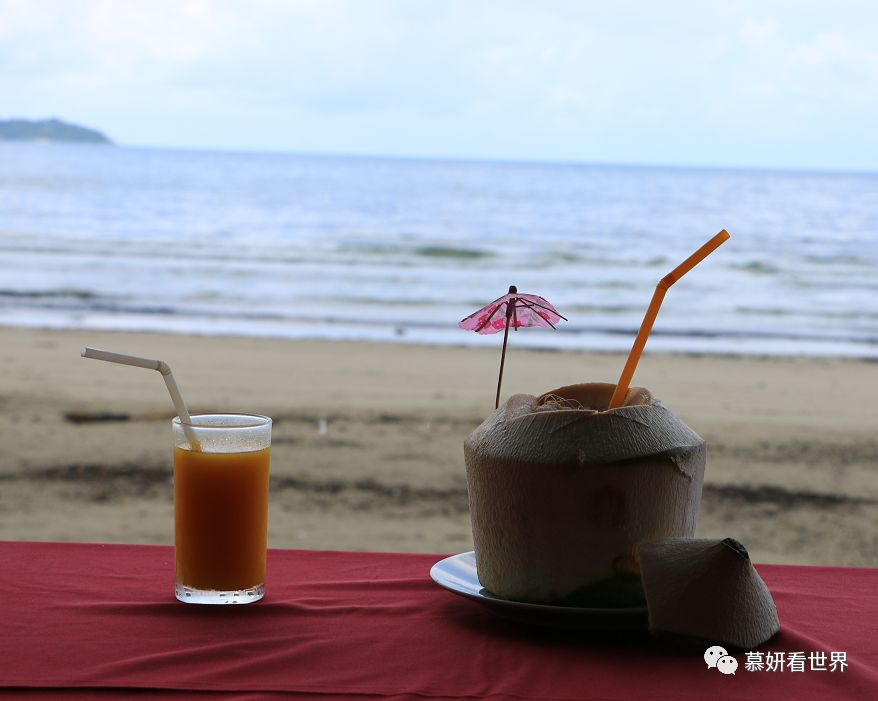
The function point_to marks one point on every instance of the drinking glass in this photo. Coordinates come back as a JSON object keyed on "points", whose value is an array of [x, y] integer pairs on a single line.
{"points": [[221, 508]]}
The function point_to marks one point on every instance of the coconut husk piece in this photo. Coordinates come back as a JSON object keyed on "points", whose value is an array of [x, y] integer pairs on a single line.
{"points": [[706, 591], [561, 492]]}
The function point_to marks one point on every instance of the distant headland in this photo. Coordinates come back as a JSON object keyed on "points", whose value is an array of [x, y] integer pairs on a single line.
{"points": [[49, 130]]}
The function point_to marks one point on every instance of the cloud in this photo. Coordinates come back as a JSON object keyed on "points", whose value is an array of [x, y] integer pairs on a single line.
{"points": [[564, 95], [682, 81], [758, 31], [834, 48]]}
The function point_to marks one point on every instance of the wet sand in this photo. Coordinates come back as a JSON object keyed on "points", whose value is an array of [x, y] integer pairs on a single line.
{"points": [[793, 450]]}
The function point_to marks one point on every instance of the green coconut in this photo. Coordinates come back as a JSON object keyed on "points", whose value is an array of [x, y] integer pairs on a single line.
{"points": [[562, 491]]}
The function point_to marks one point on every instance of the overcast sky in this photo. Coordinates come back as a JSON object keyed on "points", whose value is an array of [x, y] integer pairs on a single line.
{"points": [[768, 84]]}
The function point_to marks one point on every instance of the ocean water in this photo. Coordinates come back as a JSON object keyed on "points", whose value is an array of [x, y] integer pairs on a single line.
{"points": [[290, 246]]}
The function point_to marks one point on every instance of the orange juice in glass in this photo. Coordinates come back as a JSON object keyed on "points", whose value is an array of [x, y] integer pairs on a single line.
{"points": [[221, 508]]}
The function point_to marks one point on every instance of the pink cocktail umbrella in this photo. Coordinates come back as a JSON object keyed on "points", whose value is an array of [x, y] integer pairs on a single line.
{"points": [[512, 309]]}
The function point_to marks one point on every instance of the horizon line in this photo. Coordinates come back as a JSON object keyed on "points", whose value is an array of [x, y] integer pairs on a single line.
{"points": [[512, 160], [484, 160]]}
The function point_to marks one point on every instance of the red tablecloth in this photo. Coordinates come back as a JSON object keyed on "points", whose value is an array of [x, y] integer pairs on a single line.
{"points": [[100, 621]]}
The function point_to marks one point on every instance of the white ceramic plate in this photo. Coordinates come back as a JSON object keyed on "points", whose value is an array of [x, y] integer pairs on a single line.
{"points": [[457, 574]]}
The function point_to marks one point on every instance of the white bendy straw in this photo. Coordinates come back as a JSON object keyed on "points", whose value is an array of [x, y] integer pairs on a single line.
{"points": [[165, 370]]}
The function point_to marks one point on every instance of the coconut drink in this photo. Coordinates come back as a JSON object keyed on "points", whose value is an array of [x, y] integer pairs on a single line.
{"points": [[564, 487], [562, 491]]}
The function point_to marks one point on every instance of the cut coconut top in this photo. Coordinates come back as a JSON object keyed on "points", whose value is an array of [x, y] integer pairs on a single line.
{"points": [[706, 590]]}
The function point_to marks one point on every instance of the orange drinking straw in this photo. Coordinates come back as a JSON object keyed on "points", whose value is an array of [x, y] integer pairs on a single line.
{"points": [[652, 312]]}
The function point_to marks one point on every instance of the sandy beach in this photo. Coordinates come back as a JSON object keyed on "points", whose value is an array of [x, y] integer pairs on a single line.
{"points": [[792, 469]]}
